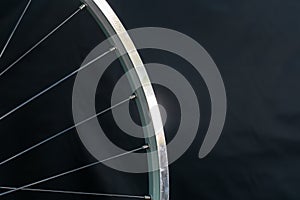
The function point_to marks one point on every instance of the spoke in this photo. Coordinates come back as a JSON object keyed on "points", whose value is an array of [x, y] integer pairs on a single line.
{"points": [[80, 193], [56, 84], [66, 130], [15, 28], [74, 170], [43, 39]]}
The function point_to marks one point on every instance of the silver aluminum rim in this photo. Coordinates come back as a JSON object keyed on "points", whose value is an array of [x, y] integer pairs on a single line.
{"points": [[112, 26]]}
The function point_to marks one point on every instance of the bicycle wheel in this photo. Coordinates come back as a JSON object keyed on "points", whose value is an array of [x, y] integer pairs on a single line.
{"points": [[111, 26]]}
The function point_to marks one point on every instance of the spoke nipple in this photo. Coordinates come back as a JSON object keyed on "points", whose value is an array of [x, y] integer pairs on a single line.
{"points": [[147, 197], [146, 146], [133, 97], [113, 49], [82, 6]]}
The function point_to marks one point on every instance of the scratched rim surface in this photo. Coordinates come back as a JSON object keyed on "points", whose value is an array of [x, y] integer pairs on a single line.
{"points": [[111, 25]]}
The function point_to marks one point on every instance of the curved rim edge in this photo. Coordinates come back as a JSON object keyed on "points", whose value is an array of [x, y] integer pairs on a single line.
{"points": [[112, 25]]}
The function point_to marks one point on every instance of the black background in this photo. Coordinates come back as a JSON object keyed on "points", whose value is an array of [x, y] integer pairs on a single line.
{"points": [[256, 47]]}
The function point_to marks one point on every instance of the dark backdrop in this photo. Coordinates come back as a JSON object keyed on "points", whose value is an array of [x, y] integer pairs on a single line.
{"points": [[256, 47]]}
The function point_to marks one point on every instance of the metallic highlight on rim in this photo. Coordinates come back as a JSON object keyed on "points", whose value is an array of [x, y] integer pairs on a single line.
{"points": [[111, 25]]}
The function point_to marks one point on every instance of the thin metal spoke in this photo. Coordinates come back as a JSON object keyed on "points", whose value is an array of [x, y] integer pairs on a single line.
{"points": [[74, 170], [66, 130], [80, 193], [43, 39], [56, 84], [15, 28]]}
